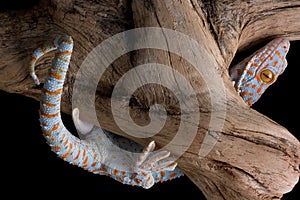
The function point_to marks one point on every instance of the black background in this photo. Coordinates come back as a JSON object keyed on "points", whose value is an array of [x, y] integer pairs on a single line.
{"points": [[30, 169]]}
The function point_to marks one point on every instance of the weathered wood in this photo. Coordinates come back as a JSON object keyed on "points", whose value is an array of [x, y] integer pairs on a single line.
{"points": [[253, 158]]}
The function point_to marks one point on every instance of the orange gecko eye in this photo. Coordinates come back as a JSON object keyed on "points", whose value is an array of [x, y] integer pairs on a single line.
{"points": [[267, 76]]}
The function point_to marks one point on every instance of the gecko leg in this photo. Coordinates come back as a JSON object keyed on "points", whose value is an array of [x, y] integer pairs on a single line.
{"points": [[145, 161], [142, 167]]}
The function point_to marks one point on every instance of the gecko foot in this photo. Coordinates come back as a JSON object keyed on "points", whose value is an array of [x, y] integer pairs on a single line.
{"points": [[155, 162], [150, 161]]}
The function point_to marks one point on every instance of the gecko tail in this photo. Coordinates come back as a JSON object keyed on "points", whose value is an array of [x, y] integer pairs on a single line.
{"points": [[38, 53], [66, 145]]}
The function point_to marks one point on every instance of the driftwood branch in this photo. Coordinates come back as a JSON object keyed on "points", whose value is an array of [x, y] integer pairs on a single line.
{"points": [[253, 157]]}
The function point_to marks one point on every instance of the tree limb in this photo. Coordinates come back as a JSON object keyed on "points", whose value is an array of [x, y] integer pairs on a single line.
{"points": [[253, 158]]}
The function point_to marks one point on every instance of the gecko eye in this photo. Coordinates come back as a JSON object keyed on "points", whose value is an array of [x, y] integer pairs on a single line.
{"points": [[267, 76]]}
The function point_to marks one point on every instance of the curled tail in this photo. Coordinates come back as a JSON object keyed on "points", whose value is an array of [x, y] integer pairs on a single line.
{"points": [[61, 141]]}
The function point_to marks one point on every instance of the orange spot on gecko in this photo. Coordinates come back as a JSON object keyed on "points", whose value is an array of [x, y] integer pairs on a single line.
{"points": [[250, 73], [63, 136], [247, 84], [48, 115], [259, 89], [55, 127], [66, 41], [137, 181], [48, 133], [65, 53], [115, 172], [278, 53], [85, 161], [55, 75], [66, 142], [48, 104], [162, 174], [253, 86], [148, 179], [95, 155], [47, 92], [52, 139], [257, 78], [275, 63], [244, 93], [68, 152], [262, 59], [172, 175], [78, 153], [144, 174], [43, 49], [33, 59], [248, 100]]}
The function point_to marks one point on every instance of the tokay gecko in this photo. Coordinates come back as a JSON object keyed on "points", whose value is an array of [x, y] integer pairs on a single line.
{"points": [[100, 151]]}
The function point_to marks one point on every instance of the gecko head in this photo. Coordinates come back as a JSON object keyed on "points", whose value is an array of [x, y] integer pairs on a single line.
{"points": [[262, 70]]}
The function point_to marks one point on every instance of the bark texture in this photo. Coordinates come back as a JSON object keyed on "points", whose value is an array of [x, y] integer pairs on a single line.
{"points": [[253, 157]]}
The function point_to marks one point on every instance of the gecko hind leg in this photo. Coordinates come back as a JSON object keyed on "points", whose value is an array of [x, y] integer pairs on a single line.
{"points": [[147, 161]]}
